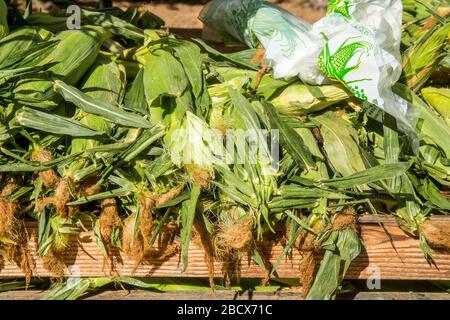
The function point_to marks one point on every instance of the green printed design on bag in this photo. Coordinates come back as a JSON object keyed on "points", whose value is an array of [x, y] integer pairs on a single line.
{"points": [[335, 66], [364, 30], [279, 32], [240, 18], [341, 7]]}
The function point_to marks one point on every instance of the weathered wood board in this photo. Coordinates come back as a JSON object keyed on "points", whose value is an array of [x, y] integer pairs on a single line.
{"points": [[197, 295], [389, 254]]}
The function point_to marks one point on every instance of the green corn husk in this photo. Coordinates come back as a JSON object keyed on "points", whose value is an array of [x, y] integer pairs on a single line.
{"points": [[135, 95], [114, 25], [417, 18], [298, 99], [439, 99], [341, 144], [20, 40], [415, 11], [163, 76], [144, 20], [421, 59], [4, 28], [171, 80], [268, 86], [344, 246], [47, 21], [72, 57], [148, 20], [105, 82], [430, 127], [53, 123]]}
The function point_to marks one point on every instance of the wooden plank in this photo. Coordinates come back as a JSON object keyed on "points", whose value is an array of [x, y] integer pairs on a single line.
{"points": [[287, 294], [396, 296], [168, 295], [389, 253]]}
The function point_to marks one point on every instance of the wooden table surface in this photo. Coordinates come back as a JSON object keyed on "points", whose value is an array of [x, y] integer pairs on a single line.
{"points": [[388, 254]]}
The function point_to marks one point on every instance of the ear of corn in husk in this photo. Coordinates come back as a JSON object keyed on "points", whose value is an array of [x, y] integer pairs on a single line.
{"points": [[429, 125], [439, 99], [71, 58], [104, 82], [299, 99], [20, 40], [114, 25], [422, 58]]}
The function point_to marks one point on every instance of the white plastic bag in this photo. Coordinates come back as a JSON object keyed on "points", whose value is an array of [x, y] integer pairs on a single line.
{"points": [[357, 43], [291, 48]]}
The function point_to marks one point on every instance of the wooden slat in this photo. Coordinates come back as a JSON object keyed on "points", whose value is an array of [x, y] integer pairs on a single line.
{"points": [[396, 296], [169, 295], [388, 250], [226, 295]]}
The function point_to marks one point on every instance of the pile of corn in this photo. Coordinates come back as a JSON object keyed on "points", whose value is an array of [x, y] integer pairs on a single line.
{"points": [[103, 127]]}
